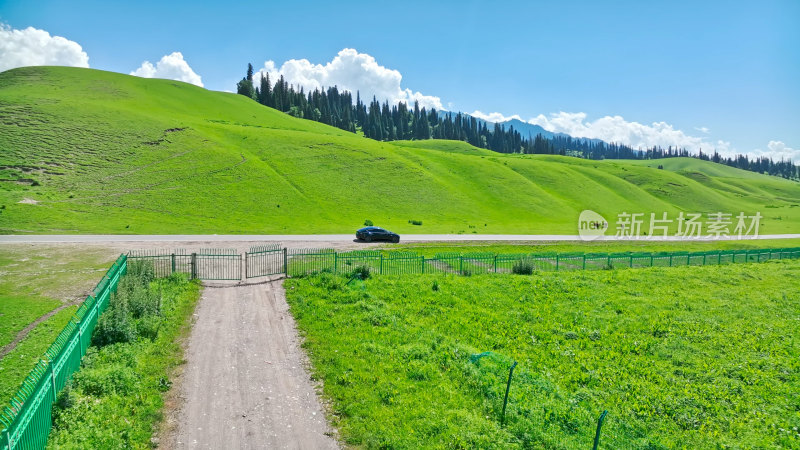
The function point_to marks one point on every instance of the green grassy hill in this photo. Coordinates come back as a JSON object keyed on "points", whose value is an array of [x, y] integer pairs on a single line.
{"points": [[86, 151]]}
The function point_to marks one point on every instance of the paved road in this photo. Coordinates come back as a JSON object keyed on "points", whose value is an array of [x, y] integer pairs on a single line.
{"points": [[117, 238], [245, 384]]}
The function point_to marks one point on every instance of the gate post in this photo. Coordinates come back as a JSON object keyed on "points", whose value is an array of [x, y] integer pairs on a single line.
{"points": [[241, 257], [173, 263], [194, 265], [285, 264]]}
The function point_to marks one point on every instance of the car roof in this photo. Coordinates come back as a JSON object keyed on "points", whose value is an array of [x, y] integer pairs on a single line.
{"points": [[369, 228]]}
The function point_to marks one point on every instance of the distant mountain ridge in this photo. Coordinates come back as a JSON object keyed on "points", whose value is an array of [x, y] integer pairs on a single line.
{"points": [[526, 130]]}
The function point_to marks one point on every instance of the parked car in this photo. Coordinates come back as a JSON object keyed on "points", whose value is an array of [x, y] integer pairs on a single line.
{"points": [[370, 234]]}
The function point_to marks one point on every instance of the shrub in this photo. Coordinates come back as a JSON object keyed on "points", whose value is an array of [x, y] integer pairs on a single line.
{"points": [[415, 222], [114, 324], [142, 271], [360, 272], [435, 286], [107, 379], [147, 327], [523, 266], [143, 303], [64, 401], [368, 223]]}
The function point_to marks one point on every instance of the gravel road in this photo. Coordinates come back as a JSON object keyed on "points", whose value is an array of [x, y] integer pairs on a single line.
{"points": [[245, 384]]}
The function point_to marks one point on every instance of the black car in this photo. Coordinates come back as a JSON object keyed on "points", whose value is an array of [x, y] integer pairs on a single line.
{"points": [[370, 234]]}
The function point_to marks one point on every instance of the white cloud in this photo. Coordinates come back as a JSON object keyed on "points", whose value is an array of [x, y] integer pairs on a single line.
{"points": [[703, 130], [352, 71], [493, 117], [34, 47], [617, 129], [778, 150], [171, 67]]}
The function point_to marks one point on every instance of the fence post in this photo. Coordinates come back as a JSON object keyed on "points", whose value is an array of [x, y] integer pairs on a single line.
{"points": [[285, 265], [381, 269], [597, 433], [609, 259], [508, 388], [631, 261], [556, 262], [651, 259], [719, 257], [173, 263], [704, 258], [53, 380], [495, 263], [461, 265], [80, 335], [335, 263], [422, 259], [242, 261], [194, 265], [584, 261], [670, 259]]}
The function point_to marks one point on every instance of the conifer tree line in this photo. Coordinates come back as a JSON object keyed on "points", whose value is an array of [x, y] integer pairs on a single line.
{"points": [[385, 122]]}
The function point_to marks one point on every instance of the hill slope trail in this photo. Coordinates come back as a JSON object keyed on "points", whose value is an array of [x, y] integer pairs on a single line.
{"points": [[245, 384]]}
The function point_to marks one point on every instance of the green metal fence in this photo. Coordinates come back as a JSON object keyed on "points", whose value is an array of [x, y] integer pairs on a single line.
{"points": [[27, 420], [265, 260], [205, 264], [307, 261]]}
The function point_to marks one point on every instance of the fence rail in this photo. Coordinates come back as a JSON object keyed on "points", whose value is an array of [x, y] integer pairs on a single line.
{"points": [[26, 421], [226, 264], [307, 261]]}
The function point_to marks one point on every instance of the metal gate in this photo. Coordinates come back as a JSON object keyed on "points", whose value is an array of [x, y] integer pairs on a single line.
{"points": [[217, 264], [265, 260]]}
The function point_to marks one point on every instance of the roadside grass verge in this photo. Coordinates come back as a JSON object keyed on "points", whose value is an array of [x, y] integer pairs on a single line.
{"points": [[683, 357], [17, 312], [35, 280], [16, 365], [116, 398]]}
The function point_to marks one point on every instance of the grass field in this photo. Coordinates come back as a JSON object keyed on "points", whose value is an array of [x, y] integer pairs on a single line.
{"points": [[86, 151], [688, 357], [34, 282]]}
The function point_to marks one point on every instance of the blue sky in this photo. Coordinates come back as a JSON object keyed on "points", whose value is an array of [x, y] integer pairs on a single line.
{"points": [[722, 74]]}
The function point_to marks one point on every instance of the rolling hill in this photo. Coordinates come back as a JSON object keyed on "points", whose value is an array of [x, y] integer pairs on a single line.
{"points": [[87, 151]]}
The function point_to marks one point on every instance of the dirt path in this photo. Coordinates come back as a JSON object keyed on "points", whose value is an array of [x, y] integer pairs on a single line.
{"points": [[245, 384]]}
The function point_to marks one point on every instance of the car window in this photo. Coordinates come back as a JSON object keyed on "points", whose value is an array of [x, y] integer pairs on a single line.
{"points": [[379, 230]]}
